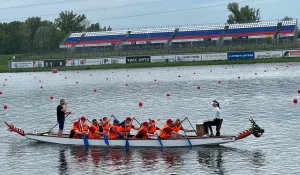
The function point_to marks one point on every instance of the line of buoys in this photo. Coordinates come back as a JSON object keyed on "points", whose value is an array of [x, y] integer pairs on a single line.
{"points": [[295, 100], [51, 97], [140, 104], [5, 106], [54, 71]]}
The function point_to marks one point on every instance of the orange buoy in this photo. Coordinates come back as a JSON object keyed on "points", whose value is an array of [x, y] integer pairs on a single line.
{"points": [[295, 100], [5, 106], [168, 95], [219, 81], [54, 71], [0, 92], [298, 91], [140, 104], [95, 90], [198, 87], [51, 97], [126, 84]]}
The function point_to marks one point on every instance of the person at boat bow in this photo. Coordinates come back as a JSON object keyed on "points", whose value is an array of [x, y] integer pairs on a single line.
{"points": [[94, 130], [127, 126], [167, 132], [114, 131], [60, 112], [152, 126], [76, 131], [215, 121]]}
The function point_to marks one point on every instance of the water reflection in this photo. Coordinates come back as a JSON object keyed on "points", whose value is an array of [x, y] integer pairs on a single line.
{"points": [[63, 164]]}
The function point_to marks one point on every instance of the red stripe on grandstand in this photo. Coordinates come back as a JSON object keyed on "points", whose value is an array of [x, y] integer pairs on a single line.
{"points": [[69, 43], [100, 41], [147, 39], [286, 32], [250, 34], [198, 36]]}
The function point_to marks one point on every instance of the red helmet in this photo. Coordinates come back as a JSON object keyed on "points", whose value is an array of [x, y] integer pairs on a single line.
{"points": [[145, 124], [83, 118]]}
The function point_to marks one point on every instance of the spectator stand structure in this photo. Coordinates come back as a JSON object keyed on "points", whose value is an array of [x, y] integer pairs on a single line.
{"points": [[265, 32]]}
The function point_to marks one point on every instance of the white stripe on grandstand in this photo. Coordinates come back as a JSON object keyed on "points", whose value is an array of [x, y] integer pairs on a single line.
{"points": [[202, 27]]}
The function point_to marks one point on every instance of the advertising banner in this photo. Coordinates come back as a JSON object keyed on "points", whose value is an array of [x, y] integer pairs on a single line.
{"points": [[240, 55], [72, 62], [106, 60], [291, 53], [24, 64], [214, 56], [164, 58], [268, 54], [87, 62], [138, 59], [54, 63], [196, 57], [159, 41], [121, 60], [38, 63], [243, 37]]}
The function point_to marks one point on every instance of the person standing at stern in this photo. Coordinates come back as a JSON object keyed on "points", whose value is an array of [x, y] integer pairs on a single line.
{"points": [[60, 111]]}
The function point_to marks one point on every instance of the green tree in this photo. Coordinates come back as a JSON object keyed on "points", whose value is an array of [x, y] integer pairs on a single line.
{"points": [[29, 29], [10, 37], [242, 15], [287, 18], [94, 27], [69, 21], [109, 28], [104, 29]]}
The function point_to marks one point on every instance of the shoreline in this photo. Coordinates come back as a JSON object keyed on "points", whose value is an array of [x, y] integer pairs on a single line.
{"points": [[155, 64]]}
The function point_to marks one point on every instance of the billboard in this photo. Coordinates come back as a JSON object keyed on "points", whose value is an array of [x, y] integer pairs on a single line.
{"points": [[23, 64], [38, 63], [72, 62], [268, 54], [164, 58], [291, 53], [54, 63], [121, 60], [106, 60], [195, 57], [138, 59], [214, 56], [87, 62], [240, 55]]}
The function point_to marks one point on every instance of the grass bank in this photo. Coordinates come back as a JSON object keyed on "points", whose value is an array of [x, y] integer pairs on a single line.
{"points": [[4, 64]]}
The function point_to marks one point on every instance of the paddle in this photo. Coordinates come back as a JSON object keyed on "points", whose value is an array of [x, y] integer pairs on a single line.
{"points": [[104, 135], [186, 136], [85, 139], [158, 138], [68, 113], [192, 126], [127, 142]]}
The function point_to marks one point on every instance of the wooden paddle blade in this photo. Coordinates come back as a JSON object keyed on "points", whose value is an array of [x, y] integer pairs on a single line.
{"points": [[106, 140], [85, 141]]}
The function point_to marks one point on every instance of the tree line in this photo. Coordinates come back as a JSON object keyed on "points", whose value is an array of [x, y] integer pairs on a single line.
{"points": [[35, 34]]}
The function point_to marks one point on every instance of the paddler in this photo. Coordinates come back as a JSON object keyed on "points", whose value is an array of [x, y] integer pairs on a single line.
{"points": [[60, 112], [94, 130], [105, 122], [152, 126], [125, 127], [84, 126], [166, 131], [142, 133], [114, 132], [177, 127], [75, 131]]}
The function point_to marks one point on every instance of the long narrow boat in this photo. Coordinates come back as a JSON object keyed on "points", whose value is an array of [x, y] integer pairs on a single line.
{"points": [[150, 142]]}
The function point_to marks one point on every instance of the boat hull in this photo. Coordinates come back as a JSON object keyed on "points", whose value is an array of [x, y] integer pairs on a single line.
{"points": [[195, 141]]}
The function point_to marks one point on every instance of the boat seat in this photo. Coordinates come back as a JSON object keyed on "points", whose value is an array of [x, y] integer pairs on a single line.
{"points": [[218, 128]]}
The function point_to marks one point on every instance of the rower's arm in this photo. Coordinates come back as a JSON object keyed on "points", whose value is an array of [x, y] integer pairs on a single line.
{"points": [[183, 119], [173, 132]]}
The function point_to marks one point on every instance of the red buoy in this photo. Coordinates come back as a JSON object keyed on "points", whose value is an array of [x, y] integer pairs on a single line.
{"points": [[298, 91], [198, 87], [194, 73], [210, 70], [276, 67], [168, 95], [112, 72], [54, 71], [219, 81], [154, 79], [126, 84], [65, 77], [41, 87], [179, 76], [295, 100], [106, 78], [148, 72], [127, 75], [239, 77], [5, 79], [3, 84], [265, 70], [140, 104], [5, 106], [90, 75], [51, 97], [76, 82], [95, 90], [0, 92], [40, 80], [255, 73]]}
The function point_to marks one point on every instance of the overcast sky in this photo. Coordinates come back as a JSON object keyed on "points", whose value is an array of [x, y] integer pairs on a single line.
{"points": [[208, 12]]}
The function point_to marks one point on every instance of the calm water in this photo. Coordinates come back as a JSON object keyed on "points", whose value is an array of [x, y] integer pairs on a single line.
{"points": [[266, 97]]}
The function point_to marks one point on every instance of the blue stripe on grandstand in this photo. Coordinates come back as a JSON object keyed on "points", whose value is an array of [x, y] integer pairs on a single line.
{"points": [[151, 35], [254, 29], [201, 32], [289, 27], [72, 39], [108, 37]]}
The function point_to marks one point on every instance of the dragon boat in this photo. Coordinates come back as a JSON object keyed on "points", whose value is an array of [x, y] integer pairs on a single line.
{"points": [[154, 141]]}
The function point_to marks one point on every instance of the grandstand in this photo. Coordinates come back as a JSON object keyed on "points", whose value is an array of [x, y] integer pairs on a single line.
{"points": [[260, 33]]}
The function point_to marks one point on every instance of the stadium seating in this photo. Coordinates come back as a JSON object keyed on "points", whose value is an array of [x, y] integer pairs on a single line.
{"points": [[103, 37], [72, 39], [150, 35]]}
